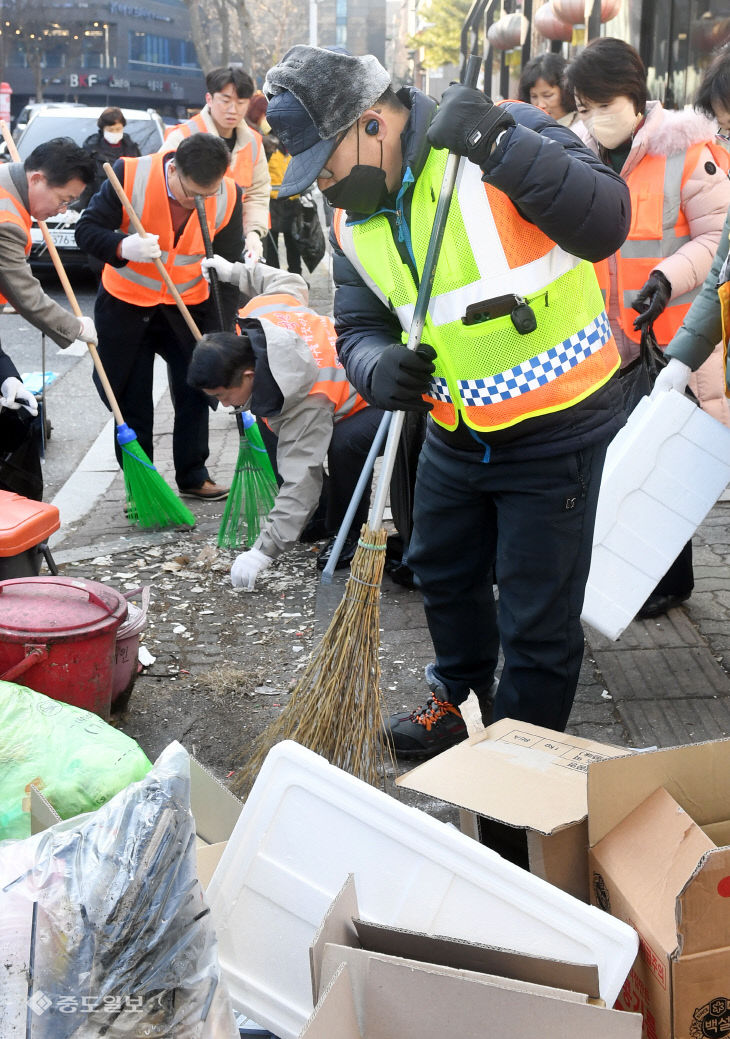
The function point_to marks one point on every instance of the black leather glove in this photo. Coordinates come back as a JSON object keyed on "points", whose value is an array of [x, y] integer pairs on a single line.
{"points": [[652, 300], [401, 376], [468, 122]]}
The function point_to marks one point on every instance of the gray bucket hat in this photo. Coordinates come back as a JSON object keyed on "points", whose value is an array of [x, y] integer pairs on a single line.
{"points": [[315, 95]]}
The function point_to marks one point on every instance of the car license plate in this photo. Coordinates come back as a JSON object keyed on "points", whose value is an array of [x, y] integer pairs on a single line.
{"points": [[63, 239]]}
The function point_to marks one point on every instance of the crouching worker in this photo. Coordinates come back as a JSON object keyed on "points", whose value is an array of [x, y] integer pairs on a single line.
{"points": [[284, 368]]}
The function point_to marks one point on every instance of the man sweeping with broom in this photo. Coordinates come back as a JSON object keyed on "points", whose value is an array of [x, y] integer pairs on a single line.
{"points": [[52, 177], [135, 314], [517, 374], [284, 368]]}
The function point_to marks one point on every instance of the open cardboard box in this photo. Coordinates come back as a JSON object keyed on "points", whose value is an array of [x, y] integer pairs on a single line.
{"points": [[214, 807], [374, 982], [660, 860], [526, 777]]}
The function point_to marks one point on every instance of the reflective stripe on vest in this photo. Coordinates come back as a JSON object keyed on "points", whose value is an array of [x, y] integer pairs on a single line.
{"points": [[319, 334], [242, 162], [141, 283], [489, 373], [13, 212], [656, 185]]}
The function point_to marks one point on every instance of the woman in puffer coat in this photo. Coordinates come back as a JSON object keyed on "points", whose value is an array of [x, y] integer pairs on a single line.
{"points": [[680, 195]]}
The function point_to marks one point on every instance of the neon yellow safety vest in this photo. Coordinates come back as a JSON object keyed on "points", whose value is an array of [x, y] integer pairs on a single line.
{"points": [[488, 373]]}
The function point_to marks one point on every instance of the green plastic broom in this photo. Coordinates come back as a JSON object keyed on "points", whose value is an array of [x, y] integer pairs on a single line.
{"points": [[150, 502], [254, 485], [253, 489]]}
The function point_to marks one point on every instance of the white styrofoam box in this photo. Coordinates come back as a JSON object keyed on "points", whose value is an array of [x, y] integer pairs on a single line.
{"points": [[664, 471], [306, 825]]}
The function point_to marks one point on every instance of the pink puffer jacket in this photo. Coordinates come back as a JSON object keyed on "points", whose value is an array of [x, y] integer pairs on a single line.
{"points": [[704, 199]]}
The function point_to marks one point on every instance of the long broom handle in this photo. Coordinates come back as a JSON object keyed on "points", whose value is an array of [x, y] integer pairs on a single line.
{"points": [[421, 308], [137, 225], [70, 294], [215, 285], [356, 496]]}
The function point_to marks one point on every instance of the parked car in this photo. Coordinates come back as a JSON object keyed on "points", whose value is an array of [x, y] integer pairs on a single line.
{"points": [[77, 122], [26, 113]]}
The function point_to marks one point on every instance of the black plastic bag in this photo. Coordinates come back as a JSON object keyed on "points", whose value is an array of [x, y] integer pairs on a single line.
{"points": [[638, 377], [20, 464], [307, 233]]}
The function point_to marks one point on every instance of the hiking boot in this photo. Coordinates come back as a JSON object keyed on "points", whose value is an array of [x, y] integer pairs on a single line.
{"points": [[426, 731]]}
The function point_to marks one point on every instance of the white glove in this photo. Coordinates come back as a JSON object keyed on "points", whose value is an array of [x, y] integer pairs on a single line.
{"points": [[224, 268], [88, 331], [673, 377], [15, 396], [140, 250], [253, 246], [247, 567]]}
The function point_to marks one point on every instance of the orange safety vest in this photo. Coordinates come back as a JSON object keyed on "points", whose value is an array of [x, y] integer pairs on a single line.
{"points": [[13, 212], [242, 161], [141, 283], [319, 334], [655, 178]]}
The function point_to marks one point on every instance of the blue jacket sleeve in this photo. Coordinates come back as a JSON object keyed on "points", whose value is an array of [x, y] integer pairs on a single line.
{"points": [[364, 325], [557, 183], [97, 232]]}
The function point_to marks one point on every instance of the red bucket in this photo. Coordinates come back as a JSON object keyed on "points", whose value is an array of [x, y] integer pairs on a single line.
{"points": [[58, 636]]}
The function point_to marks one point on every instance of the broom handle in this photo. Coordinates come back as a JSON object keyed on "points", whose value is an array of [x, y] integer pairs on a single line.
{"points": [[137, 225], [215, 285], [70, 294], [356, 496], [421, 308]]}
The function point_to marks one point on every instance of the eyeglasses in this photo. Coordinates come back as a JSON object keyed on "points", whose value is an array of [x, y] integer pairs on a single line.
{"points": [[227, 102], [63, 203], [723, 135], [202, 194]]}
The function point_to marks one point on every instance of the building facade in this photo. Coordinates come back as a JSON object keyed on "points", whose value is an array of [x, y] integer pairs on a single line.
{"points": [[101, 52]]}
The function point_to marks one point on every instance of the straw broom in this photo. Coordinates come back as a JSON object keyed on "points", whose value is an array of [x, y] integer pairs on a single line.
{"points": [[254, 485], [150, 501], [335, 709]]}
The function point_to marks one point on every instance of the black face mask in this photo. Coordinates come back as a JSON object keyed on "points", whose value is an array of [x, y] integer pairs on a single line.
{"points": [[362, 191]]}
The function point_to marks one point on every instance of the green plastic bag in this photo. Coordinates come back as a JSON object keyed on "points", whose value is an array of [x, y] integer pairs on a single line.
{"points": [[75, 758]]}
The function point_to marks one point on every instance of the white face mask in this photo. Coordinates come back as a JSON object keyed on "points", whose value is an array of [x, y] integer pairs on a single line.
{"points": [[612, 124], [113, 137]]}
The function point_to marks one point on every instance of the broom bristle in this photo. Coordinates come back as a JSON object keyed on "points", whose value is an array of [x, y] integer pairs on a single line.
{"points": [[335, 708], [250, 499], [150, 501]]}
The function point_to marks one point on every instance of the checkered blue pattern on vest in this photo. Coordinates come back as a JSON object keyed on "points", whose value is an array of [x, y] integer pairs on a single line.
{"points": [[537, 371]]}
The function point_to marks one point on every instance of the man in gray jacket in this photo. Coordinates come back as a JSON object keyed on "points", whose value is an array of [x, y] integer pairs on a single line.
{"points": [[52, 177]]}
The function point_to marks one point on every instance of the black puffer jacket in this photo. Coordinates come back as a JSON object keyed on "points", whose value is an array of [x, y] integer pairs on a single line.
{"points": [[558, 184]]}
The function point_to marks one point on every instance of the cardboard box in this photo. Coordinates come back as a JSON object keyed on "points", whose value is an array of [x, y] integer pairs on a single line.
{"points": [[660, 860], [376, 982], [527, 777]]}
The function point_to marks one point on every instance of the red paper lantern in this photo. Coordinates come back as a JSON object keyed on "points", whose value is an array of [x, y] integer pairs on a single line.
{"points": [[508, 31], [574, 11], [550, 26]]}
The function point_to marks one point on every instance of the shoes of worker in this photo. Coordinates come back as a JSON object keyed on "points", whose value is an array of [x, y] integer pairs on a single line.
{"points": [[349, 548], [426, 731], [208, 491], [657, 605]]}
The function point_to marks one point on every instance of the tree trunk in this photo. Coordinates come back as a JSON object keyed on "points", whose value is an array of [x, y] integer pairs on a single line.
{"points": [[198, 34]]}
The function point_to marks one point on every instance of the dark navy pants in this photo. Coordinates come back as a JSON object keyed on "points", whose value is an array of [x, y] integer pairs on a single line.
{"points": [[532, 521]]}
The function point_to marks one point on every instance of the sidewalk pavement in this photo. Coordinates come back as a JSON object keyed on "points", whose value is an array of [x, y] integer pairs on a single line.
{"points": [[664, 682]]}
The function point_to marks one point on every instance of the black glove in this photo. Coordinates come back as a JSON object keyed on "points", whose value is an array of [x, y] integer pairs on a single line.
{"points": [[468, 122], [652, 300], [401, 376]]}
